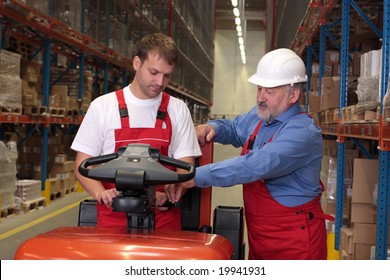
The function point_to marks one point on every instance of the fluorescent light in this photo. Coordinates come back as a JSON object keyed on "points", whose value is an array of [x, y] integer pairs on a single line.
{"points": [[237, 20], [236, 12]]}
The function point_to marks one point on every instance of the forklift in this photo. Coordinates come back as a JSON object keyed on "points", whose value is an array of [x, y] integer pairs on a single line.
{"points": [[136, 170]]}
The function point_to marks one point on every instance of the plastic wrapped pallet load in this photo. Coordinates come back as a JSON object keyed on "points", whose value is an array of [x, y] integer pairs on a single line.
{"points": [[30, 194], [8, 156]]}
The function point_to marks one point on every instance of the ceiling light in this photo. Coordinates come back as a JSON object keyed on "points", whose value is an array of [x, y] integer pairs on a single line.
{"points": [[236, 12]]}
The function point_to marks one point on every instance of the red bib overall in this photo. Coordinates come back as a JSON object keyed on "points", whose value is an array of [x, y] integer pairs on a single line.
{"points": [[158, 137], [277, 232]]}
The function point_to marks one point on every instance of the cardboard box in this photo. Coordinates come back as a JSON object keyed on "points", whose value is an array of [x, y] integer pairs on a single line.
{"points": [[330, 98], [356, 63], [363, 193], [314, 83], [314, 103], [336, 70], [58, 171], [363, 213], [9, 63], [315, 69], [362, 251], [332, 57], [54, 185], [364, 233], [345, 256], [69, 165], [60, 158], [350, 155], [327, 82], [365, 171], [346, 240], [328, 70]]}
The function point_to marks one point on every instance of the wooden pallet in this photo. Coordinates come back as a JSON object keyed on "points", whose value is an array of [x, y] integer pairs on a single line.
{"points": [[330, 115], [34, 110], [9, 211], [72, 113], [56, 195], [68, 190], [10, 110], [350, 114], [34, 204], [57, 112]]}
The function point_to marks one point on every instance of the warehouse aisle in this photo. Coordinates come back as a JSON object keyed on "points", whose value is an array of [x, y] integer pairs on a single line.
{"points": [[15, 229]]}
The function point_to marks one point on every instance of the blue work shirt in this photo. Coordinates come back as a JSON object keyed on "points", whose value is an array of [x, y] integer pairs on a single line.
{"points": [[290, 165]]}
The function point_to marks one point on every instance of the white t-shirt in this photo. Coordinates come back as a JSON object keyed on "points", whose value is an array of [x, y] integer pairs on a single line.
{"points": [[96, 133]]}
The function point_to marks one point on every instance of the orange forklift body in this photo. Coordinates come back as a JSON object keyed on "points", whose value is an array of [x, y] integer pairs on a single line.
{"points": [[81, 243], [94, 243]]}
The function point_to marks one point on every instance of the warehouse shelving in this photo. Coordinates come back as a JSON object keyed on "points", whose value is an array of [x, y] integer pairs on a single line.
{"points": [[319, 23], [89, 42]]}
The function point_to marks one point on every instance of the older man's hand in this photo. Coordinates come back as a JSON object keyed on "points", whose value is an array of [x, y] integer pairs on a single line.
{"points": [[205, 133], [174, 192]]}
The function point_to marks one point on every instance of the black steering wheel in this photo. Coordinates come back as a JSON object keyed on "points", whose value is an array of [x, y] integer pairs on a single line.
{"points": [[135, 166]]}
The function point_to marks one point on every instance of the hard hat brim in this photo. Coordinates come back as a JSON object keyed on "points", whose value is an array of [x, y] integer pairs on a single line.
{"points": [[254, 79]]}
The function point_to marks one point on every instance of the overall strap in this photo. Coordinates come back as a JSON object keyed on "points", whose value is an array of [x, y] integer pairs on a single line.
{"points": [[162, 111], [249, 144], [123, 113]]}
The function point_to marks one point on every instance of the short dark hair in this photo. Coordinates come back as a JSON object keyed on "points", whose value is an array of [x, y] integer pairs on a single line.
{"points": [[160, 43]]}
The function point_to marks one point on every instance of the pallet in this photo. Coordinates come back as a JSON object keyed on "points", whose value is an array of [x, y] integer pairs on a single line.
{"points": [[34, 204], [10, 110], [56, 195], [9, 211], [68, 190], [350, 114], [57, 112], [24, 49], [33, 110], [329, 116], [72, 113]]}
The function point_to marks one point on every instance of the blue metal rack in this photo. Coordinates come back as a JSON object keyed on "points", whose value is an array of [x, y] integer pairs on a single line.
{"points": [[382, 229], [384, 149], [54, 36]]}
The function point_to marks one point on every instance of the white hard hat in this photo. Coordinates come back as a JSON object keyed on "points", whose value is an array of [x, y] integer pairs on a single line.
{"points": [[279, 67]]}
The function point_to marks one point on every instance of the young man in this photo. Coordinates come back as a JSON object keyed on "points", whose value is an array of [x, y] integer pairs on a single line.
{"points": [[151, 117], [279, 166]]}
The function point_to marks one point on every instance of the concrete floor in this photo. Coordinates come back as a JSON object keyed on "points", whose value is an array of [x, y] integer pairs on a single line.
{"points": [[15, 229]]}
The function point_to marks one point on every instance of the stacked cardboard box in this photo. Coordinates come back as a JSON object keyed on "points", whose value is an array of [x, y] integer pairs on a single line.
{"points": [[356, 240], [365, 181], [28, 190], [330, 90], [8, 156], [63, 170], [29, 163], [10, 82], [66, 90], [31, 88], [329, 177]]}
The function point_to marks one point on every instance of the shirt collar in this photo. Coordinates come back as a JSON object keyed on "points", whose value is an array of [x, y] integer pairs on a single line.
{"points": [[292, 111]]}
